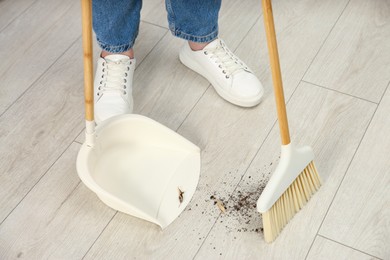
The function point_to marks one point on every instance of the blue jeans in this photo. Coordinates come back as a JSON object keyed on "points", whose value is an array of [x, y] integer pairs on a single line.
{"points": [[116, 23]]}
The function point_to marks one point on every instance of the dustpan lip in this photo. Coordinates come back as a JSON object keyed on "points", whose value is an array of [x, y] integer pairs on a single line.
{"points": [[124, 117]]}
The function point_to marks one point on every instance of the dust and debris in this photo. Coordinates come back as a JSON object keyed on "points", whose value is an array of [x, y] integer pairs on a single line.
{"points": [[221, 206], [240, 208]]}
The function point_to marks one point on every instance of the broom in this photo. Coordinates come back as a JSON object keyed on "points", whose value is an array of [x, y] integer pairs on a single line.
{"points": [[295, 178]]}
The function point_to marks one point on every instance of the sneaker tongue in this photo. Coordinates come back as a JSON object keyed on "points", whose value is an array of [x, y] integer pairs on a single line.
{"points": [[212, 44], [116, 57]]}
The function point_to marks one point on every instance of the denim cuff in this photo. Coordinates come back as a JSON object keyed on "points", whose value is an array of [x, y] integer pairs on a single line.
{"points": [[206, 38], [115, 48]]}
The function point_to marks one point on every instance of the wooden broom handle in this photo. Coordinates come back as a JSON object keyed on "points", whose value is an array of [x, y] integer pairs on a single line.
{"points": [[276, 74], [86, 14]]}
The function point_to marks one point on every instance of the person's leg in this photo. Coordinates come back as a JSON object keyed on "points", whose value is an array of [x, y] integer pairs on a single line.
{"points": [[197, 22], [116, 25], [194, 20]]}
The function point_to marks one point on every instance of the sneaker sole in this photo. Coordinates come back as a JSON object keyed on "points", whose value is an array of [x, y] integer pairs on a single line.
{"points": [[188, 62]]}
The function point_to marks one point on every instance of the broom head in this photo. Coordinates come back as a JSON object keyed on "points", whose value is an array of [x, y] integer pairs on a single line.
{"points": [[289, 188]]}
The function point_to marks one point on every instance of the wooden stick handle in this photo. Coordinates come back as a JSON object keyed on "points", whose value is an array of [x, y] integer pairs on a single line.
{"points": [[86, 13], [276, 74]]}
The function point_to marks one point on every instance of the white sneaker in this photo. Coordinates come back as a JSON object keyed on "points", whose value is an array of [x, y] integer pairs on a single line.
{"points": [[113, 86], [230, 77]]}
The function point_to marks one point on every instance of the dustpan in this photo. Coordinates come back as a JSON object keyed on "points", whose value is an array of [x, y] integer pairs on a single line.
{"points": [[134, 164]]}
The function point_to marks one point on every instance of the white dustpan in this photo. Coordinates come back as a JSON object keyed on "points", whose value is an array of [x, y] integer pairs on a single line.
{"points": [[133, 163]]}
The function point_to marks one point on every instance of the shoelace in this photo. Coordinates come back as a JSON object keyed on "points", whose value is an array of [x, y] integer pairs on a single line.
{"points": [[114, 77], [229, 63]]}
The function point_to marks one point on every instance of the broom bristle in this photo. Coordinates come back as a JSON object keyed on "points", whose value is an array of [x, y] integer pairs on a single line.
{"points": [[291, 201]]}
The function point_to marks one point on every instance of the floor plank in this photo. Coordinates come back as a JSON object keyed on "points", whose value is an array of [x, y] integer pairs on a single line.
{"points": [[42, 35], [333, 124], [154, 12], [59, 219], [229, 138], [44, 121], [233, 25], [301, 28], [360, 212], [356, 56], [39, 127], [148, 38], [324, 249], [9, 10], [164, 89]]}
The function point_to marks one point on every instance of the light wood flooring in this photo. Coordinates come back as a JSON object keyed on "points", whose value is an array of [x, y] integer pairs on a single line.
{"points": [[335, 59]]}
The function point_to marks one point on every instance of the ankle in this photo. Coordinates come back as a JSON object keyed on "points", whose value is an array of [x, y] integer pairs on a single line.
{"points": [[197, 46], [129, 53]]}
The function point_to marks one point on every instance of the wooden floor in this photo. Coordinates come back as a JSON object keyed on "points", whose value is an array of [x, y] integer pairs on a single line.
{"points": [[335, 58]]}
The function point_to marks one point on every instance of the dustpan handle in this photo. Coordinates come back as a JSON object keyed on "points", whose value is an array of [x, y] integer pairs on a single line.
{"points": [[86, 10], [86, 14], [276, 73]]}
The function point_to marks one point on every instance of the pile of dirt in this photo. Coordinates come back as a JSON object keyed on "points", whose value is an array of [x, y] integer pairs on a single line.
{"points": [[240, 208]]}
